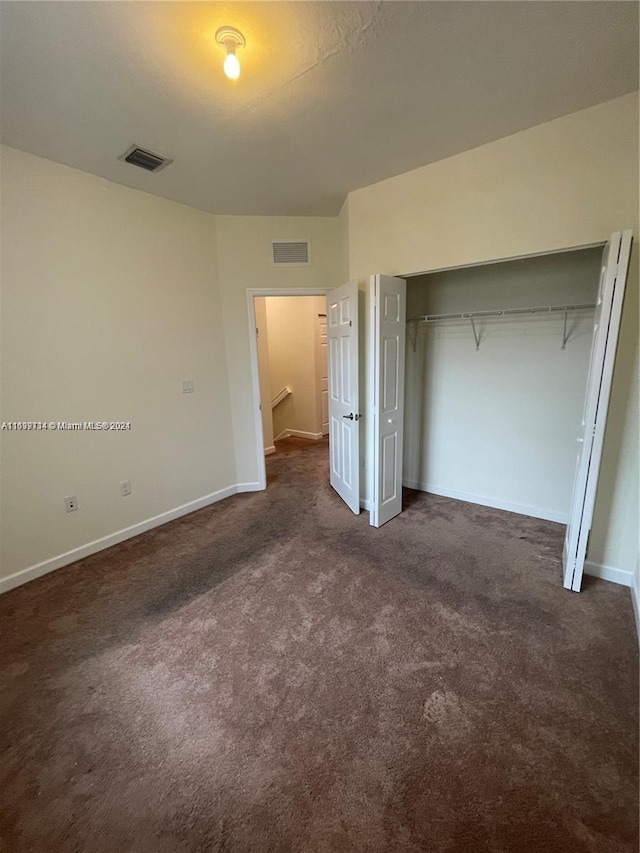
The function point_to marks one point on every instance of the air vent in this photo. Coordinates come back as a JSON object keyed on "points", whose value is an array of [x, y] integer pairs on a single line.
{"points": [[145, 159], [291, 253]]}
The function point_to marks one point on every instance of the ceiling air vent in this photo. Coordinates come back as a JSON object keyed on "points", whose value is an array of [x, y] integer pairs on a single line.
{"points": [[291, 253], [145, 159]]}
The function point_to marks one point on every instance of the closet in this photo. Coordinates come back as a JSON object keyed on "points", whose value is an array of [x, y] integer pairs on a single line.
{"points": [[496, 367], [487, 383]]}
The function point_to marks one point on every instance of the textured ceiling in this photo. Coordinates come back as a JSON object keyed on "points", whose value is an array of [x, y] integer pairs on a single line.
{"points": [[333, 95]]}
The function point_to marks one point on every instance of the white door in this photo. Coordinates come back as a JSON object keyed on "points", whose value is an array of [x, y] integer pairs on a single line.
{"points": [[389, 308], [615, 261], [322, 372], [344, 443]]}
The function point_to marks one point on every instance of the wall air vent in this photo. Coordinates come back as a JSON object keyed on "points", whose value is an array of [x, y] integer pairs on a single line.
{"points": [[145, 159], [291, 253]]}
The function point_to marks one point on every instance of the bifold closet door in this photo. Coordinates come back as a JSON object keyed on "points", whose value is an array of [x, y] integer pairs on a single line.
{"points": [[389, 308], [344, 416], [613, 275]]}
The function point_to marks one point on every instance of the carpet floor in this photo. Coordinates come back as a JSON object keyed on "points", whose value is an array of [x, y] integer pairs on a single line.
{"points": [[272, 675]]}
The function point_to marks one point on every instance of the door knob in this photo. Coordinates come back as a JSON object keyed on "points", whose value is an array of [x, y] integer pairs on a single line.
{"points": [[349, 416]]}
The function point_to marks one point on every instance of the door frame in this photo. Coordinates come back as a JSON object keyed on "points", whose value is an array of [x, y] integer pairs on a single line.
{"points": [[370, 322], [252, 293], [318, 355], [505, 260], [489, 261]]}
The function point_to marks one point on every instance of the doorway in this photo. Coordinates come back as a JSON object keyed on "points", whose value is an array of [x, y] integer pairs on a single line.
{"points": [[289, 368]]}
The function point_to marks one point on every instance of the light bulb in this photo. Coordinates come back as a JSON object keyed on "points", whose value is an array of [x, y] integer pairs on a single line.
{"points": [[230, 38], [232, 66]]}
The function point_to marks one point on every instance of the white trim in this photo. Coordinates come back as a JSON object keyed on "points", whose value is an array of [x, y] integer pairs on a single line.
{"points": [[287, 291], [269, 450], [298, 433], [521, 509], [255, 388], [248, 487], [36, 571], [370, 356], [609, 573], [253, 292], [317, 368], [366, 505], [492, 261]]}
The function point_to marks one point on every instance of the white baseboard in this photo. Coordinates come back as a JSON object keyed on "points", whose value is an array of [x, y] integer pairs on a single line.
{"points": [[622, 576], [248, 487], [521, 509], [296, 433], [608, 573], [269, 450], [364, 504], [635, 598], [36, 571]]}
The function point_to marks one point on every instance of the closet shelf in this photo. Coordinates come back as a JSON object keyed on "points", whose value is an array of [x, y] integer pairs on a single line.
{"points": [[496, 312]]}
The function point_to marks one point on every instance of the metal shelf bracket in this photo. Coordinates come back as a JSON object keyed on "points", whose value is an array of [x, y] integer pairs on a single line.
{"points": [[414, 322], [565, 336], [413, 325], [475, 333]]}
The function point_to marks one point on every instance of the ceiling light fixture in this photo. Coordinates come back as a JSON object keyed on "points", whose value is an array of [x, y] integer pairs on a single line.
{"points": [[231, 39]]}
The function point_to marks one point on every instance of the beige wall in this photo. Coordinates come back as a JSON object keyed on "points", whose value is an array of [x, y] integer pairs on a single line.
{"points": [[292, 324], [343, 241], [566, 183], [111, 297], [244, 261], [109, 300]]}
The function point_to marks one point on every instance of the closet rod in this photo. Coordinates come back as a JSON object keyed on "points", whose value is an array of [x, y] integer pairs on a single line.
{"points": [[498, 312]]}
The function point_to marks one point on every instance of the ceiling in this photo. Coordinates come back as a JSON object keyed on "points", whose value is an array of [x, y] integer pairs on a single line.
{"points": [[333, 95]]}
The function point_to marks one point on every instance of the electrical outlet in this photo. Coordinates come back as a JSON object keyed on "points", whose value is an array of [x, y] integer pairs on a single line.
{"points": [[187, 386], [71, 503], [125, 488]]}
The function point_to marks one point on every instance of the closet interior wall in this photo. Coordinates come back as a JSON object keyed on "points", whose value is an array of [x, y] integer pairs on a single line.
{"points": [[498, 425]]}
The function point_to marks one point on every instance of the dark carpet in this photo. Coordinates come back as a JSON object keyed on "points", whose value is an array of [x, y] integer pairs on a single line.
{"points": [[272, 675]]}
